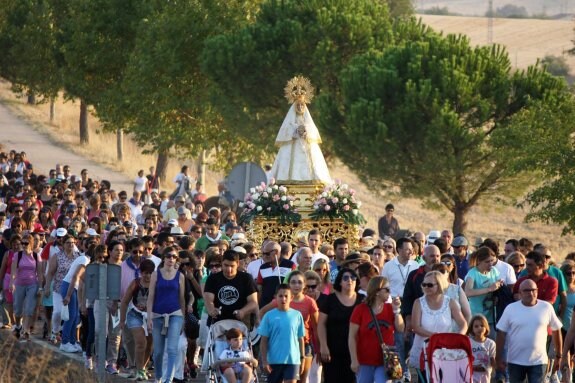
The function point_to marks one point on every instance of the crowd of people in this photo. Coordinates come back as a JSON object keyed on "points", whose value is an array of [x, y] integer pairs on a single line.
{"points": [[319, 309]]}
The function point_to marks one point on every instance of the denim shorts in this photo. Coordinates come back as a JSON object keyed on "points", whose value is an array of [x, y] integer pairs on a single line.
{"points": [[281, 372], [134, 319]]}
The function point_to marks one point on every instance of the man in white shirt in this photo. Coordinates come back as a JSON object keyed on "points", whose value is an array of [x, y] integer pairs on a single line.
{"points": [[526, 321], [314, 239]]}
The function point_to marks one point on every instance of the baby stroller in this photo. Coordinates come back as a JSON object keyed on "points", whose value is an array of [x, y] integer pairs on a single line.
{"points": [[216, 343], [447, 358]]}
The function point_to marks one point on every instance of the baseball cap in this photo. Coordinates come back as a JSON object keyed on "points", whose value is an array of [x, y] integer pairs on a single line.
{"points": [[173, 222], [460, 241], [61, 232], [92, 233]]}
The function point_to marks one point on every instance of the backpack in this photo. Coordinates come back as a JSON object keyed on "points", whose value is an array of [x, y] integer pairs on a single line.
{"points": [[20, 258]]}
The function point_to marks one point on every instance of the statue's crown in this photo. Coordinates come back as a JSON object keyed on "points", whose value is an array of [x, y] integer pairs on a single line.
{"points": [[299, 88]]}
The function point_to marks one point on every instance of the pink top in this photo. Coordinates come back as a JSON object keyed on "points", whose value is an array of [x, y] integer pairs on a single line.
{"points": [[26, 271]]}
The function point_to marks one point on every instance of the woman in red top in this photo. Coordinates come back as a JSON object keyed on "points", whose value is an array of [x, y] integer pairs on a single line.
{"points": [[309, 311], [364, 347]]}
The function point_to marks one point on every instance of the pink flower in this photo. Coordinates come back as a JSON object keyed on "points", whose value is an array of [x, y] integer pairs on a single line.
{"points": [[265, 194], [323, 201], [345, 207], [251, 205], [263, 185], [272, 181], [327, 208], [351, 191], [286, 206], [335, 200]]}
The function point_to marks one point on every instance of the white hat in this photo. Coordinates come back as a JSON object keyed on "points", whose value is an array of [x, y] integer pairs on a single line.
{"points": [[432, 236], [173, 222], [61, 232], [239, 249], [176, 230], [238, 236], [92, 233]]}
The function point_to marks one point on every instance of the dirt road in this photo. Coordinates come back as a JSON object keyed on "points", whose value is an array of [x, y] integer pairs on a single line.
{"points": [[44, 154]]}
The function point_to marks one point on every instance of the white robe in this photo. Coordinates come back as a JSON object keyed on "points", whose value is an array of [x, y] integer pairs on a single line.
{"points": [[299, 159]]}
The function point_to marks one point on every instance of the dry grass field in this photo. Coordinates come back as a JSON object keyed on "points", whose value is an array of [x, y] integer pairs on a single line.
{"points": [[526, 40], [479, 7]]}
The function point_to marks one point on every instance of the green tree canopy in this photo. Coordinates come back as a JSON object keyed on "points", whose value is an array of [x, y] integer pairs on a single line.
{"points": [[440, 119]]}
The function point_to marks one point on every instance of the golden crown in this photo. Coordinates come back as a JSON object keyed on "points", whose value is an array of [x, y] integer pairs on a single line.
{"points": [[299, 88]]}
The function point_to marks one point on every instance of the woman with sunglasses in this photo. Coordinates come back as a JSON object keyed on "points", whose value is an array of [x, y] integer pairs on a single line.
{"points": [[453, 277], [389, 248], [517, 261], [166, 307], [454, 291], [307, 306], [333, 327], [432, 314], [26, 278], [321, 267], [364, 345]]}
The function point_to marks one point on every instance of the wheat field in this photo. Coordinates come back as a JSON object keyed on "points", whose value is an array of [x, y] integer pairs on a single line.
{"points": [[485, 220]]}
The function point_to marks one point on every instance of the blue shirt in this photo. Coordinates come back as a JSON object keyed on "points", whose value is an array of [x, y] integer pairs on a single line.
{"points": [[283, 330], [481, 281]]}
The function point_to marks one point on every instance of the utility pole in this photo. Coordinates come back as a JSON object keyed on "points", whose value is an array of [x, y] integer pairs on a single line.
{"points": [[490, 16]]}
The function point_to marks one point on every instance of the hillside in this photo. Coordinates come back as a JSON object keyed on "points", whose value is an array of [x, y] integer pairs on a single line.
{"points": [[526, 40], [479, 7]]}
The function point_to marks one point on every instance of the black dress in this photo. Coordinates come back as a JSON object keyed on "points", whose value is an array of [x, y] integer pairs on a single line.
{"points": [[338, 370]]}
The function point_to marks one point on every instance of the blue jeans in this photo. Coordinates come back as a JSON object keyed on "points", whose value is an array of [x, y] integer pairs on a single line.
{"points": [[534, 374], [399, 340], [69, 327], [371, 374], [173, 336]]}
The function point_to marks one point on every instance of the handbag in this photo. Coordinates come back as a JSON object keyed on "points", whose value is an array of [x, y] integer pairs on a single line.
{"points": [[65, 313], [391, 362]]}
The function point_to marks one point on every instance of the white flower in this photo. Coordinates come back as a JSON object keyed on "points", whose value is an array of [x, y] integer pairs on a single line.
{"points": [[324, 194], [284, 198], [275, 187], [344, 201], [265, 194], [344, 187], [252, 190], [269, 190], [241, 204], [256, 196], [358, 204], [354, 211], [259, 208], [282, 189]]}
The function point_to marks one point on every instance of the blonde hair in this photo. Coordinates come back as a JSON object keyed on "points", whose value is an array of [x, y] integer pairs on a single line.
{"points": [[441, 280], [373, 287], [326, 278]]}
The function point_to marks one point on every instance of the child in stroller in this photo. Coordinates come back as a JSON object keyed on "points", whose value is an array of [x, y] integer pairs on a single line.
{"points": [[236, 370]]}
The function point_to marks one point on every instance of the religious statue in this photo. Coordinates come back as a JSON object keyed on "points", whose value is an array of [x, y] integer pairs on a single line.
{"points": [[299, 157]]}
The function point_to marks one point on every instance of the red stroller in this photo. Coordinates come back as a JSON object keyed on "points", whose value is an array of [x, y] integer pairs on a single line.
{"points": [[447, 358]]}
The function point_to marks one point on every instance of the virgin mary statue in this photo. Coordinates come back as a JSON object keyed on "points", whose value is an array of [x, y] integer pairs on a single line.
{"points": [[299, 159]]}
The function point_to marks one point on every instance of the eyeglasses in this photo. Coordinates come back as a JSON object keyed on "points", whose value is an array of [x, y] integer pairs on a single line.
{"points": [[215, 266], [518, 265], [171, 255], [446, 263], [347, 278], [547, 257], [570, 273], [311, 287], [529, 290], [386, 289], [25, 243], [267, 252], [296, 282], [428, 285]]}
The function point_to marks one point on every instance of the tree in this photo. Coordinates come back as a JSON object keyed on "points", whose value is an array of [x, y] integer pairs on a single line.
{"points": [[556, 65], [164, 100], [439, 119], [511, 11], [315, 38], [28, 45]]}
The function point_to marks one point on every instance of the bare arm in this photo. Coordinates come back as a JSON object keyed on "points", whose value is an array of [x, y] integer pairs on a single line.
{"points": [[264, 354], [464, 303], [472, 292], [250, 307], [558, 343], [151, 297], [52, 268], [500, 344], [457, 316], [209, 305], [352, 344], [416, 321], [183, 294], [125, 302], [4, 267], [266, 308], [322, 335]]}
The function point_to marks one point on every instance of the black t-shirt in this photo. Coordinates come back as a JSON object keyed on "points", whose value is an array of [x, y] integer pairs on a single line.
{"points": [[230, 294]]}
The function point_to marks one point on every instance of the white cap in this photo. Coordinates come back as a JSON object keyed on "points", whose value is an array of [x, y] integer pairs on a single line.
{"points": [[239, 249], [61, 232], [173, 222], [92, 233], [176, 230]]}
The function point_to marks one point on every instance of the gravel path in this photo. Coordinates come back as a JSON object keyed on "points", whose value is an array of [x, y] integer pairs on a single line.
{"points": [[44, 153]]}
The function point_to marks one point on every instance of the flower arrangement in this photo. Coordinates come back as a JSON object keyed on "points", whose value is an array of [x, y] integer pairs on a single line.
{"points": [[271, 201], [338, 201]]}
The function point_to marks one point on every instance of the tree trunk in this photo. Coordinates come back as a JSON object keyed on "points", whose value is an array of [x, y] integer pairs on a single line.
{"points": [[201, 169], [162, 165], [120, 144], [52, 110], [84, 133], [31, 98], [460, 219]]}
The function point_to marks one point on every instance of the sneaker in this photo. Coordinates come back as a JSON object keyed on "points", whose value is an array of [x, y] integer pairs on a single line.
{"points": [[89, 363], [406, 376], [16, 331], [67, 347], [141, 375], [110, 369], [555, 378], [78, 347]]}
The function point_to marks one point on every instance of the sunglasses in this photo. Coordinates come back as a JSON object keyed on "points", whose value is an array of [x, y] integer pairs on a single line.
{"points": [[311, 287], [427, 285], [25, 243], [347, 278], [267, 252], [446, 263], [168, 256], [570, 273], [518, 265], [215, 266], [387, 247]]}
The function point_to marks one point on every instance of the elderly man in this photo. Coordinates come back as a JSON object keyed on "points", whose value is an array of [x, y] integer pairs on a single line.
{"points": [[526, 322], [272, 272], [304, 259], [460, 245]]}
